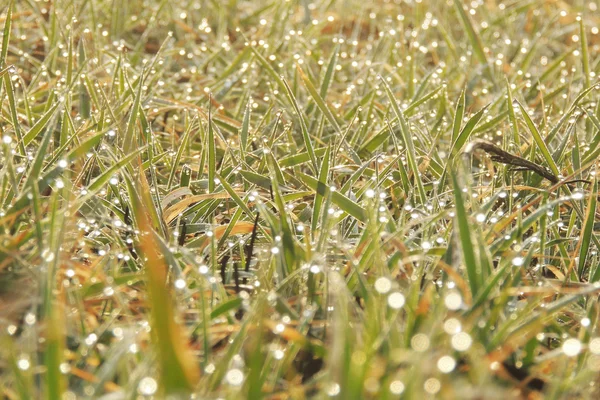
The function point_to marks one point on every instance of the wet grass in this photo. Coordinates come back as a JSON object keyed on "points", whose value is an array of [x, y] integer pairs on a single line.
{"points": [[293, 199]]}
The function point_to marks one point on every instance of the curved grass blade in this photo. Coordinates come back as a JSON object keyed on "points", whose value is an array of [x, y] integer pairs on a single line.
{"points": [[458, 116], [407, 140], [178, 370], [466, 240], [473, 36], [12, 105], [244, 131], [539, 140], [347, 205], [212, 152], [6, 34], [129, 140], [303, 127], [39, 125], [182, 147], [514, 126], [318, 100], [323, 176], [235, 197], [588, 230]]}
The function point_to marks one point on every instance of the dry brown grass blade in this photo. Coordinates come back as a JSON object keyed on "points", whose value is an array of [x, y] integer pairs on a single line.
{"points": [[173, 211], [240, 228], [178, 369]]}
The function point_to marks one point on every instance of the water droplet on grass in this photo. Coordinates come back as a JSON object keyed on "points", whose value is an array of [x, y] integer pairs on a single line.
{"points": [[234, 377], [461, 341], [432, 386], [180, 284], [446, 364], [420, 342], [383, 285], [23, 363], [453, 300], [571, 347], [397, 387], [396, 300], [334, 389], [518, 261], [147, 386], [594, 345]]}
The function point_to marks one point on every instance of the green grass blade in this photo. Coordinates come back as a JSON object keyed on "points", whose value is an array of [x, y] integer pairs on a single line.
{"points": [[407, 141], [323, 177], [319, 100], [10, 91], [212, 152], [6, 35], [344, 203], [473, 36], [587, 231], [514, 125], [130, 138], [539, 141], [103, 179], [245, 131], [466, 239], [303, 127], [585, 53], [39, 125], [234, 195], [330, 71], [458, 116], [183, 145], [465, 133]]}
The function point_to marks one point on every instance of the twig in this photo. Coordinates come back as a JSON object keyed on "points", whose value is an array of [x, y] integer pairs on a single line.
{"points": [[505, 157]]}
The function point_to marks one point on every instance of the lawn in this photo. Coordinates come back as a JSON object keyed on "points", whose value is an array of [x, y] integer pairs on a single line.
{"points": [[291, 199]]}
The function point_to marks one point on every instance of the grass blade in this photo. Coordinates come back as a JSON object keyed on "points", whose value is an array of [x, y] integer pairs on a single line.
{"points": [[323, 177], [212, 151], [458, 116], [587, 231], [6, 35], [407, 141], [347, 205], [303, 127], [178, 370], [539, 141], [466, 239]]}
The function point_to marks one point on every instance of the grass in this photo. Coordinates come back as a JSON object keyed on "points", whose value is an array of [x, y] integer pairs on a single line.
{"points": [[277, 199]]}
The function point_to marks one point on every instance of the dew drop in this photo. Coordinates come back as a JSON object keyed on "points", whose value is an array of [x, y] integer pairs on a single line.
{"points": [[23, 363], [432, 386], [571, 347], [147, 386], [397, 387], [234, 377], [30, 319], [420, 342], [383, 285], [461, 341], [453, 300], [518, 261], [396, 300], [594, 345], [334, 389], [446, 364], [180, 284]]}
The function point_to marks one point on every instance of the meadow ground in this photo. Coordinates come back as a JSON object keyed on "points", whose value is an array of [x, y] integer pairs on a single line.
{"points": [[293, 199]]}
